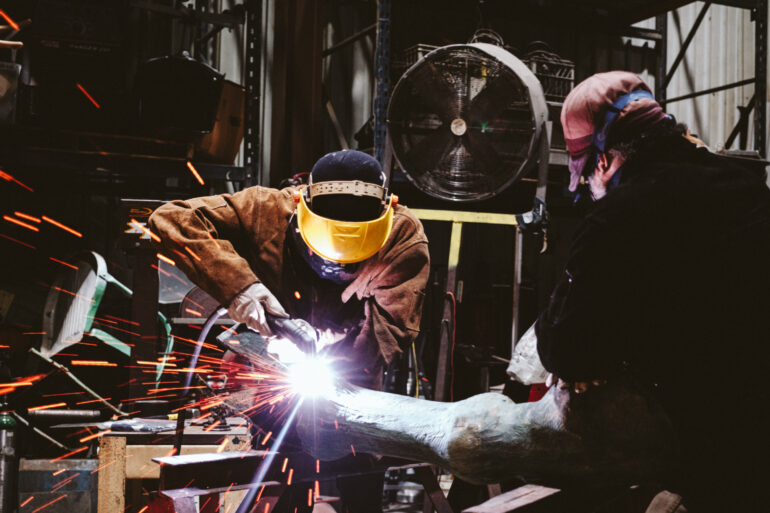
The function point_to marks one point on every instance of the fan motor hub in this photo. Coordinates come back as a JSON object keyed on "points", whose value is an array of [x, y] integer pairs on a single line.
{"points": [[458, 126]]}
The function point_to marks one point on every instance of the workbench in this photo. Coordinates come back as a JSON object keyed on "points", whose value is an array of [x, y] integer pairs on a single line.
{"points": [[210, 479], [129, 455]]}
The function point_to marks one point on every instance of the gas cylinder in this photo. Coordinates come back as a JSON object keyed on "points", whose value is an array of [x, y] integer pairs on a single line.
{"points": [[9, 470]]}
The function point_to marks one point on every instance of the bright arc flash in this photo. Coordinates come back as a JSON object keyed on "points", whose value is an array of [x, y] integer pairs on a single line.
{"points": [[311, 377]]}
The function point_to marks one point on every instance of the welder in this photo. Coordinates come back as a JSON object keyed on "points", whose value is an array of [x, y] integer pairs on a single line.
{"points": [[667, 284], [339, 253]]}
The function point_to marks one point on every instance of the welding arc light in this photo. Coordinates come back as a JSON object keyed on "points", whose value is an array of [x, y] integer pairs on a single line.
{"points": [[311, 377]]}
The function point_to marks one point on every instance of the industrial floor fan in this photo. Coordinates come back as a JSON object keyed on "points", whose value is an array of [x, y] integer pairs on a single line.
{"points": [[466, 121]]}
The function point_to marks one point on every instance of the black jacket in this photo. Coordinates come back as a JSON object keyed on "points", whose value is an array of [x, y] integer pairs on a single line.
{"points": [[668, 280]]}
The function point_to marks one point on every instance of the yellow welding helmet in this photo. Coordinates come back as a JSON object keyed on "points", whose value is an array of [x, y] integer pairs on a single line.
{"points": [[344, 242], [345, 213]]}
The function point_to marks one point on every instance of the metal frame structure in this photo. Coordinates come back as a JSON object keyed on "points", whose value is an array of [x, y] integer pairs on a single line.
{"points": [[664, 74]]}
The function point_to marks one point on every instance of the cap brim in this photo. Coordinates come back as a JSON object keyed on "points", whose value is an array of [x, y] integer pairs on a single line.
{"points": [[576, 165]]}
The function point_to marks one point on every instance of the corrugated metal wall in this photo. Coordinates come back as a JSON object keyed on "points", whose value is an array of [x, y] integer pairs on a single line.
{"points": [[721, 53]]}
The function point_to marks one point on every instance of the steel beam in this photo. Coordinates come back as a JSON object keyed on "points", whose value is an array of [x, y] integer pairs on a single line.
{"points": [[686, 43], [661, 24], [711, 90], [760, 72], [252, 75], [382, 78]]}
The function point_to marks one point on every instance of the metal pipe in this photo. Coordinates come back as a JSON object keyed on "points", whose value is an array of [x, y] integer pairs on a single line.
{"points": [[41, 432], [69, 415]]}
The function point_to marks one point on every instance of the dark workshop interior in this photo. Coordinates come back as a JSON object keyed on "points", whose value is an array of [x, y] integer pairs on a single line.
{"points": [[476, 341]]}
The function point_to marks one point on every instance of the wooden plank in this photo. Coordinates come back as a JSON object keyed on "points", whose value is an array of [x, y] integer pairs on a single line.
{"points": [[112, 474], [139, 464], [513, 500], [432, 489]]}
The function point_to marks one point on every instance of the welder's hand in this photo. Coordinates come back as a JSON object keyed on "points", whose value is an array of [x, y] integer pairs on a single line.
{"points": [[579, 386], [250, 305]]}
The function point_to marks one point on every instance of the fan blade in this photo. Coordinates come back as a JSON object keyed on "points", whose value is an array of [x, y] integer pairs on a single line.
{"points": [[483, 152], [425, 155], [437, 93], [490, 103]]}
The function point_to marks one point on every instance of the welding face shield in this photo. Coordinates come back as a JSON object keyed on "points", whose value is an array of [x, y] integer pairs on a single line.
{"points": [[345, 214]]}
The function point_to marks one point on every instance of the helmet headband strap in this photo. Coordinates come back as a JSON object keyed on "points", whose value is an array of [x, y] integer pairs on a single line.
{"points": [[350, 187]]}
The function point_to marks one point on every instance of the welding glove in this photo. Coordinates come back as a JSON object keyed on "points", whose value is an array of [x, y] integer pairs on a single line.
{"points": [[250, 305]]}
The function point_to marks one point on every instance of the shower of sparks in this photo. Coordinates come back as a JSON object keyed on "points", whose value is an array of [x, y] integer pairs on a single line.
{"points": [[195, 172]]}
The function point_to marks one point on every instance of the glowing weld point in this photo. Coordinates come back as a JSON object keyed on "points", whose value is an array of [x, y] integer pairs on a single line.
{"points": [[311, 377], [297, 295]]}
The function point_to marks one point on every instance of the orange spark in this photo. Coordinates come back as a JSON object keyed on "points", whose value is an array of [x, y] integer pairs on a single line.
{"points": [[27, 217], [21, 223], [215, 240], [62, 226], [297, 295], [64, 393], [291, 473], [317, 491], [193, 312], [145, 230], [222, 445], [353, 449], [9, 178], [46, 407], [57, 499], [29, 499], [93, 401], [166, 259], [194, 172], [94, 363], [145, 509], [72, 294], [69, 454], [267, 437], [17, 241], [310, 497], [95, 435], [13, 24], [62, 262], [192, 254], [317, 466], [83, 90], [283, 467], [97, 469], [267, 508], [16, 384], [59, 471]]}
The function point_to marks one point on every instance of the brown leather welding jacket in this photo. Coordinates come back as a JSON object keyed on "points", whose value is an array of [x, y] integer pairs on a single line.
{"points": [[227, 242]]}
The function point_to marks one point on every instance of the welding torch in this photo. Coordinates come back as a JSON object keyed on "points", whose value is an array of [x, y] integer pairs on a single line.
{"points": [[251, 341]]}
